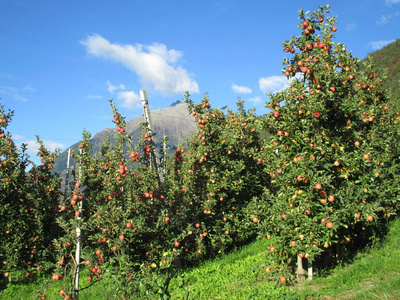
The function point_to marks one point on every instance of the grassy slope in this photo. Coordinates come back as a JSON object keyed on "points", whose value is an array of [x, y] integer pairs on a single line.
{"points": [[373, 274]]}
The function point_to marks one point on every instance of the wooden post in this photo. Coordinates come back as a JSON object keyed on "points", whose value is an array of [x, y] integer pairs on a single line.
{"points": [[310, 270], [154, 159], [67, 176], [78, 242], [301, 273]]}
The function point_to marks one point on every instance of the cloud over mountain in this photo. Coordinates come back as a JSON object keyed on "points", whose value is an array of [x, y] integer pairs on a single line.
{"points": [[154, 64]]}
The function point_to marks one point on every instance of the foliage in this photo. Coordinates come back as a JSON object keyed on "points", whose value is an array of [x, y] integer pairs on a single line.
{"points": [[28, 201], [241, 274], [387, 64], [335, 143], [214, 179], [322, 181]]}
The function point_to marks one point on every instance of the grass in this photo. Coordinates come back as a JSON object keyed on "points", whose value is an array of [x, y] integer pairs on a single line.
{"points": [[237, 275], [373, 274]]}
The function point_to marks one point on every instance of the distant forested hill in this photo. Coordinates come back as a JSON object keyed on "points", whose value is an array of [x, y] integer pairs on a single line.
{"points": [[387, 63]]}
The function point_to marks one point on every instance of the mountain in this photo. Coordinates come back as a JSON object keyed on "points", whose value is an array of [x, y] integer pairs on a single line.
{"points": [[387, 63], [175, 122]]}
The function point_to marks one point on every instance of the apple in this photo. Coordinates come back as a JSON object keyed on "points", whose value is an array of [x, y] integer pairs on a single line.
{"points": [[329, 224], [129, 225], [318, 186], [62, 292], [276, 114], [271, 249], [255, 220], [176, 244], [98, 252]]}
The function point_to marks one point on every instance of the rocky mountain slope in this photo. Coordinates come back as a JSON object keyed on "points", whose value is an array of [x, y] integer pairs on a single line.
{"points": [[173, 121]]}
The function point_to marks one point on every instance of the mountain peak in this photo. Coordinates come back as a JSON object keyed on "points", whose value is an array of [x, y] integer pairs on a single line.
{"points": [[176, 103]]}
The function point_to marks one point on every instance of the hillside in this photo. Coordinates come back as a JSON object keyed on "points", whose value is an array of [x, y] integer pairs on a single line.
{"points": [[387, 63], [173, 121]]}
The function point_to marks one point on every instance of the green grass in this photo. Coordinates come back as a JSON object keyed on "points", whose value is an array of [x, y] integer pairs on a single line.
{"points": [[237, 275], [373, 274]]}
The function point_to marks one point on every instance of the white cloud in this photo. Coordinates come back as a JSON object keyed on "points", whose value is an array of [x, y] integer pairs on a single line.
{"points": [[93, 97], [18, 137], [29, 88], [33, 146], [241, 89], [385, 18], [20, 98], [8, 90], [255, 100], [111, 88], [392, 1], [379, 44], [351, 26], [153, 64], [130, 99], [273, 84]]}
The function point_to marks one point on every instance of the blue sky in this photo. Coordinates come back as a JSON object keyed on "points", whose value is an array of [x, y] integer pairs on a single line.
{"points": [[60, 61]]}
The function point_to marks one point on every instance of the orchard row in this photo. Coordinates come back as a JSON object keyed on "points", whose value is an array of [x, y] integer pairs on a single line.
{"points": [[320, 174]]}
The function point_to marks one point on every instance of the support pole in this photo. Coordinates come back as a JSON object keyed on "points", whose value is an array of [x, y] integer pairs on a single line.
{"points": [[154, 159], [66, 182], [301, 273], [78, 243], [310, 270]]}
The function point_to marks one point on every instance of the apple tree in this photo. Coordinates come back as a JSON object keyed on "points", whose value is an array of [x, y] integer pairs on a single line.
{"points": [[28, 202], [215, 176], [327, 151]]}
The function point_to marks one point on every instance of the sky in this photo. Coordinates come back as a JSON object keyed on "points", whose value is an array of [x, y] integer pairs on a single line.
{"points": [[61, 61]]}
